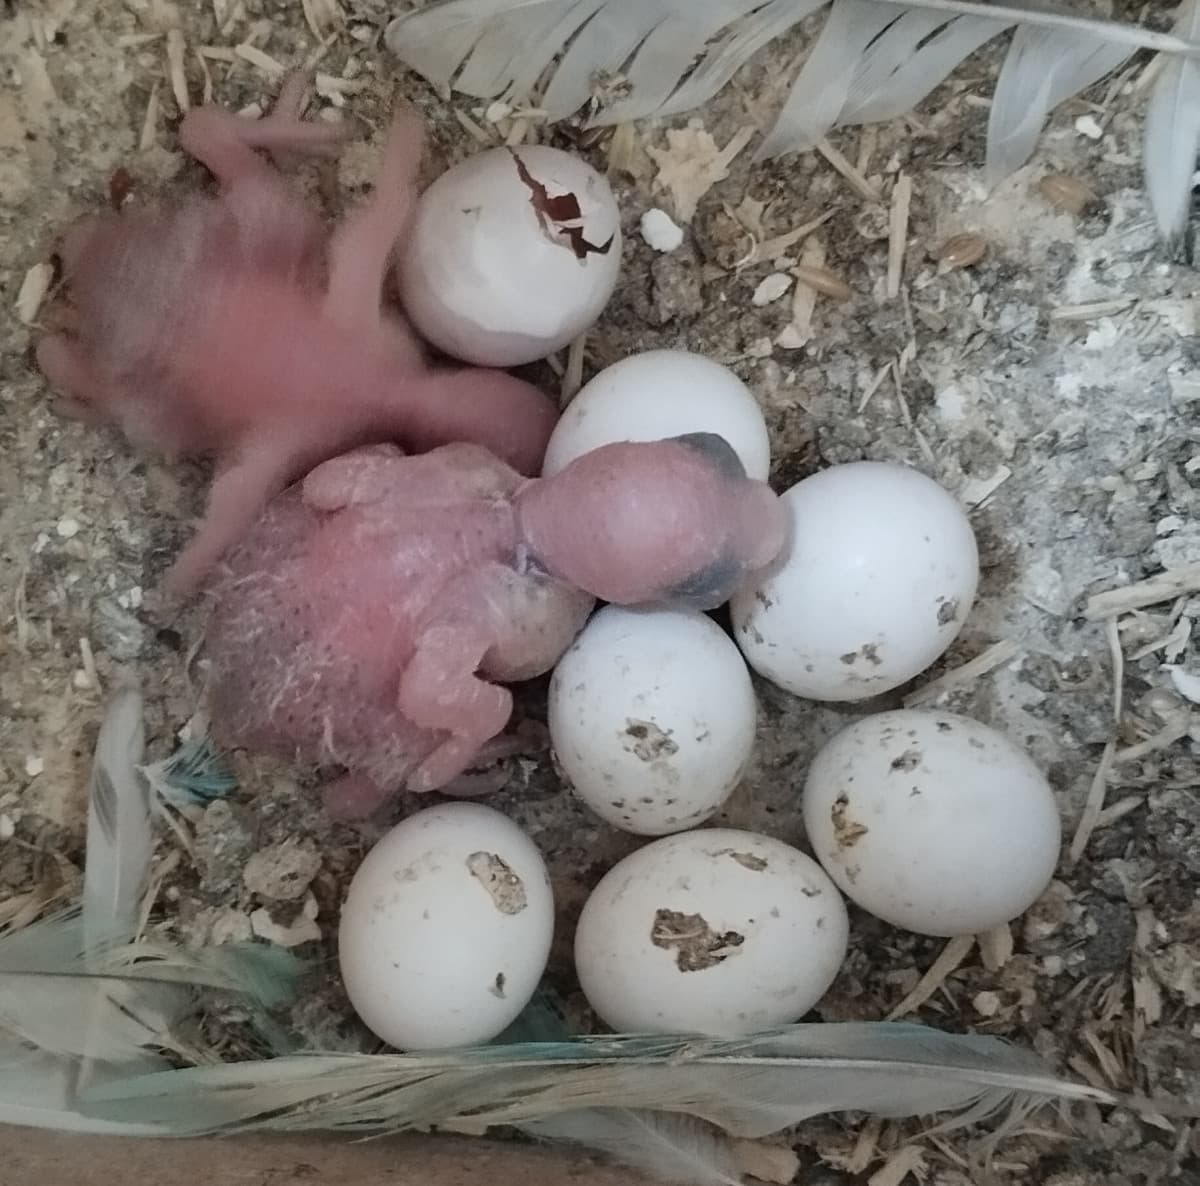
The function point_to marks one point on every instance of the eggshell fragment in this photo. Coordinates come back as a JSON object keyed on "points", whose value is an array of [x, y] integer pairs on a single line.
{"points": [[715, 931], [511, 255], [446, 928], [876, 581], [932, 821], [652, 716], [658, 394]]}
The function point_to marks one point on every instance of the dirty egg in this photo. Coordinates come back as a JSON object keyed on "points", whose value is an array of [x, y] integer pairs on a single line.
{"points": [[446, 928], [715, 931], [874, 584], [932, 821], [659, 394], [652, 716], [512, 254]]}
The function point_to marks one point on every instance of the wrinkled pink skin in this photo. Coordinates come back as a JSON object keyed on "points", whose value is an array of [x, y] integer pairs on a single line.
{"points": [[235, 326], [361, 621]]}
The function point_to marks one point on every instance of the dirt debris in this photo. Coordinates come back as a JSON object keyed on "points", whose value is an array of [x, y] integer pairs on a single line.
{"points": [[1051, 384]]}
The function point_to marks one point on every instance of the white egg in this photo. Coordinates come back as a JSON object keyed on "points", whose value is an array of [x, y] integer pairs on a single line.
{"points": [[652, 716], [874, 584], [932, 821], [662, 393], [446, 928], [493, 274], [715, 931]]}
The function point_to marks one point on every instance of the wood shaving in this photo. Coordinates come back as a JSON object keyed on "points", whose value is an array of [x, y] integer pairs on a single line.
{"points": [[866, 1147], [799, 331], [952, 955], [323, 17], [1164, 586], [904, 1162], [858, 182], [149, 133], [777, 245], [770, 289], [37, 91], [996, 947], [1110, 1065], [898, 233], [480, 133], [1117, 658], [572, 376], [1093, 807], [1090, 312], [624, 151], [1118, 810], [206, 74], [995, 656], [873, 387], [329, 85], [692, 164], [767, 1163], [176, 50], [976, 491], [33, 291], [260, 60], [1164, 739]]}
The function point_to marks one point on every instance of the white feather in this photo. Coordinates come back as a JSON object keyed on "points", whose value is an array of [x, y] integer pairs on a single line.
{"points": [[54, 996], [1043, 68], [720, 61], [37, 1091], [670, 1147], [873, 60], [1172, 135], [820, 92], [919, 51], [119, 836]]}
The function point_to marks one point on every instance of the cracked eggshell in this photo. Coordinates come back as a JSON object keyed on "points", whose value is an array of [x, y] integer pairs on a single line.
{"points": [[932, 821], [659, 394], [652, 716], [876, 581], [495, 272], [446, 928], [715, 931]]}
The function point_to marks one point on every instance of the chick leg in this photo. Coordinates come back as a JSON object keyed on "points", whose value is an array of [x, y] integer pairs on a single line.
{"points": [[353, 796], [238, 496], [227, 144], [361, 250], [440, 690], [84, 397]]}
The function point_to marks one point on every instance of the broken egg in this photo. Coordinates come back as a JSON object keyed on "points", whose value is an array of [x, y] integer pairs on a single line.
{"points": [[652, 716], [715, 931], [875, 582], [446, 928], [932, 821], [659, 394], [512, 254]]}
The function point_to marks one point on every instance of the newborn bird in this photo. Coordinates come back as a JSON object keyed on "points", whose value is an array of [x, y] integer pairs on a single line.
{"points": [[360, 623], [237, 326]]}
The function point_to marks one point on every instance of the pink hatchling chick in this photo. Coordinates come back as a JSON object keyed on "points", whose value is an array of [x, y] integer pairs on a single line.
{"points": [[237, 326], [360, 622]]}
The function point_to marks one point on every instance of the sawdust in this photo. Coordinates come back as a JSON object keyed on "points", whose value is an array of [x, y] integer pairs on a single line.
{"points": [[1052, 384]]}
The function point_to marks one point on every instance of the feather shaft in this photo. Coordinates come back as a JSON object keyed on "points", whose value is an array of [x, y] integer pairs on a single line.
{"points": [[1135, 36]]}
